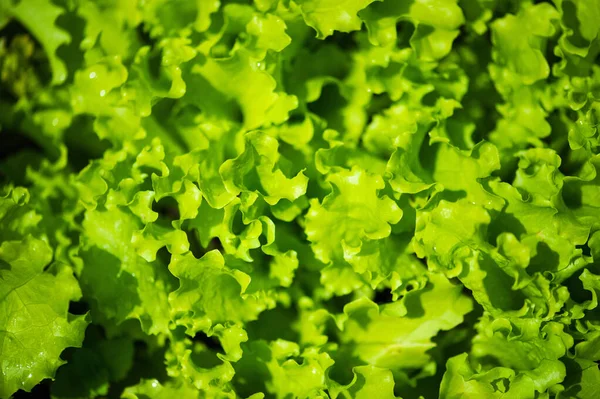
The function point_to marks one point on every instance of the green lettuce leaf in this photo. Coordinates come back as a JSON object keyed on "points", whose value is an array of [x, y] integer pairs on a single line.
{"points": [[39, 17], [35, 323], [327, 16], [398, 335], [352, 212], [299, 198]]}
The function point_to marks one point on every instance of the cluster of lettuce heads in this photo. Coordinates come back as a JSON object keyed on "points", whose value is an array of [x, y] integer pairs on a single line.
{"points": [[300, 198]]}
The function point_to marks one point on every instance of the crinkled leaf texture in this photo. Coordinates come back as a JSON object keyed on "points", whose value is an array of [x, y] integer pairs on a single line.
{"points": [[35, 325], [300, 198]]}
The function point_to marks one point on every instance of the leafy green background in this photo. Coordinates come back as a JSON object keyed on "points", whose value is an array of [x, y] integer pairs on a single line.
{"points": [[299, 199]]}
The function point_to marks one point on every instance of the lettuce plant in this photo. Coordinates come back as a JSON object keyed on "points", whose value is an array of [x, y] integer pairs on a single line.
{"points": [[299, 199]]}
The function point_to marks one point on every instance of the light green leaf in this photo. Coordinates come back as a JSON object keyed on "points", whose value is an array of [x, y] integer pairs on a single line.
{"points": [[242, 80], [119, 283], [327, 16], [398, 335], [35, 326], [260, 168], [462, 381], [436, 24], [352, 212], [210, 293], [39, 17]]}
